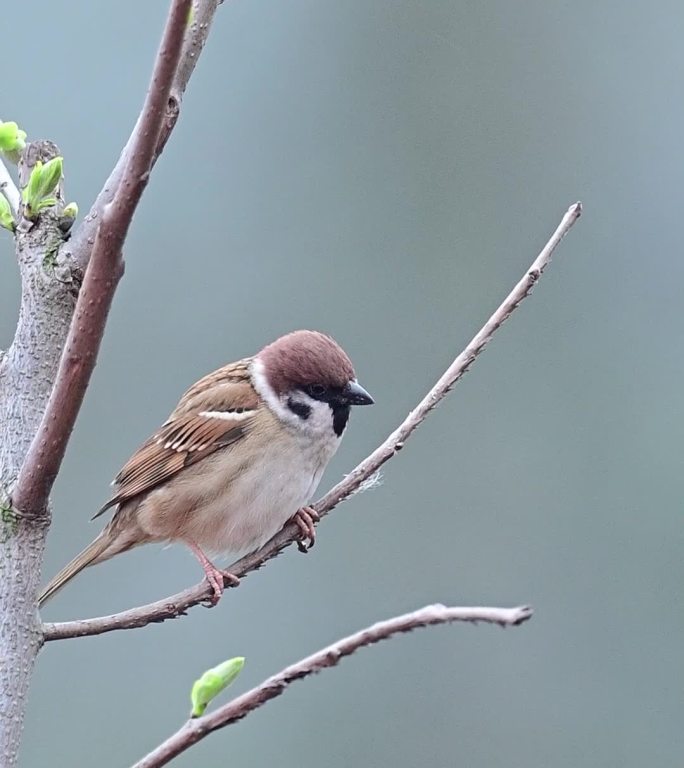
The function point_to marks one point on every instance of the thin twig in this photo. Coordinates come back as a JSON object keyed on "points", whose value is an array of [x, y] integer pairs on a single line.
{"points": [[9, 189], [101, 278], [196, 729], [195, 39], [178, 604]]}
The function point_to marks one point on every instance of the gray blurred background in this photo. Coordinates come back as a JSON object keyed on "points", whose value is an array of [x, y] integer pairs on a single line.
{"points": [[385, 171]]}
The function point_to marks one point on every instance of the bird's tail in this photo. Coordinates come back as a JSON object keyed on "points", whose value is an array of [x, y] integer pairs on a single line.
{"points": [[106, 545]]}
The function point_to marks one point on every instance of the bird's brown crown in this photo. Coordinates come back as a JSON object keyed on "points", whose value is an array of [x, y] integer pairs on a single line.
{"points": [[303, 358]]}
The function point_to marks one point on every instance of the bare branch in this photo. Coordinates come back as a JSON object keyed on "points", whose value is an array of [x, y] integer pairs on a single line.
{"points": [[178, 604], [101, 278], [195, 730], [195, 38], [168, 608], [9, 189]]}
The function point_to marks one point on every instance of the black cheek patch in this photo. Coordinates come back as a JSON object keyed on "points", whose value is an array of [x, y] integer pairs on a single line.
{"points": [[340, 417], [300, 409]]}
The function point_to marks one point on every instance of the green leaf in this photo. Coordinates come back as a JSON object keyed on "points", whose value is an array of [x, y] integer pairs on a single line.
{"points": [[212, 682], [46, 202], [30, 191], [42, 183], [50, 176], [12, 138], [6, 218]]}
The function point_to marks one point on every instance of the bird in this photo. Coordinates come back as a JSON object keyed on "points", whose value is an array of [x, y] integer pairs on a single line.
{"points": [[241, 455]]}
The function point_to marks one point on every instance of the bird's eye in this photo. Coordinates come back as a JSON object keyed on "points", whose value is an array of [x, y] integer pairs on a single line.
{"points": [[317, 391]]}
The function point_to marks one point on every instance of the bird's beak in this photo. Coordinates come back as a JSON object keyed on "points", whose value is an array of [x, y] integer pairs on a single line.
{"points": [[355, 394]]}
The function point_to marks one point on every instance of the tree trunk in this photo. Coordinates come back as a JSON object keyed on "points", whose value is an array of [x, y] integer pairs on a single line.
{"points": [[27, 372]]}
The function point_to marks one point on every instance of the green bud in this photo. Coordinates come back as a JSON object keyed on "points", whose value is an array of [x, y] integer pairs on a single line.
{"points": [[67, 217], [50, 176], [31, 192], [6, 218], [12, 138], [191, 15], [70, 211], [212, 682], [43, 181]]}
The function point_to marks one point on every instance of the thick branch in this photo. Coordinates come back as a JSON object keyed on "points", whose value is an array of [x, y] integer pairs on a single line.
{"points": [[195, 38], [195, 730], [101, 278], [178, 604], [27, 372]]}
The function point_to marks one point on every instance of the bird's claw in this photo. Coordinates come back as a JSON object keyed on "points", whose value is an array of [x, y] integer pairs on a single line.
{"points": [[306, 518], [218, 580]]}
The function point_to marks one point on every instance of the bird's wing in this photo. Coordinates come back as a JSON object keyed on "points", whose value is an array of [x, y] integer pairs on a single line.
{"points": [[214, 413]]}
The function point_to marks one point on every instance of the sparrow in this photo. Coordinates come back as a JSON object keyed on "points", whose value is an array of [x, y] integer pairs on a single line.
{"points": [[241, 455]]}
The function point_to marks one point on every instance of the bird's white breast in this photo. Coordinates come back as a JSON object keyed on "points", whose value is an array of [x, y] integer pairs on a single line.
{"points": [[268, 489], [236, 499]]}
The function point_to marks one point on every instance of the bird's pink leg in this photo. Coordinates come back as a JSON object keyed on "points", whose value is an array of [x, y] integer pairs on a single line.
{"points": [[305, 519], [215, 576]]}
